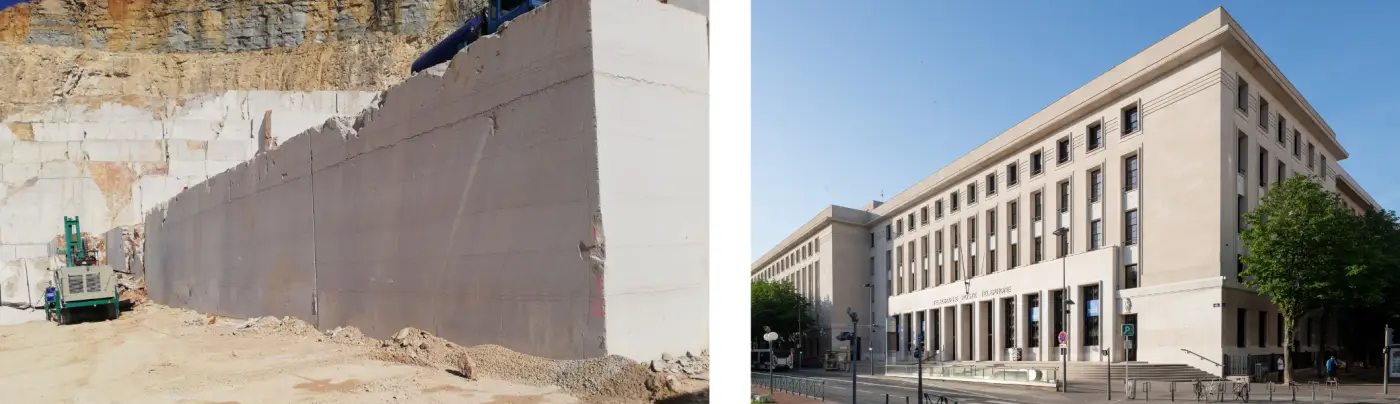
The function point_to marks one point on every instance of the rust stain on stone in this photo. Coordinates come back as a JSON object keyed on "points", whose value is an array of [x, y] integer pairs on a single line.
{"points": [[115, 181], [161, 168], [325, 385], [22, 130], [197, 144]]}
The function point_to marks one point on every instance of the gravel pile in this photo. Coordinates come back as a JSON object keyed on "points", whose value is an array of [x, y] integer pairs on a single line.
{"points": [[286, 326]]}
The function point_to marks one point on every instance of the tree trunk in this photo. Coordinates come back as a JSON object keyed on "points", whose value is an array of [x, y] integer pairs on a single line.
{"points": [[1289, 323]]}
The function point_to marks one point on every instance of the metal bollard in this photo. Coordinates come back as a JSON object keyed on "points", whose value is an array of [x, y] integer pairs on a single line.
{"points": [[1171, 388], [1271, 387], [1293, 389], [887, 396], [1313, 387]]}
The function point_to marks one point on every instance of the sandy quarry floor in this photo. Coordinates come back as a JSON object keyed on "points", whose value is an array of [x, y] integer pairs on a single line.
{"points": [[156, 354]]}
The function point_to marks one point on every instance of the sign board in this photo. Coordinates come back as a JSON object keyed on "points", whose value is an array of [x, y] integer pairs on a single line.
{"points": [[1093, 308], [1063, 337], [1394, 362], [1035, 314], [1128, 344], [1128, 330]]}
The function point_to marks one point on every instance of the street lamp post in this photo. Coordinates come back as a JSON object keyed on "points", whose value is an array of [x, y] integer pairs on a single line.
{"points": [[855, 325], [1065, 302], [870, 287], [771, 336]]}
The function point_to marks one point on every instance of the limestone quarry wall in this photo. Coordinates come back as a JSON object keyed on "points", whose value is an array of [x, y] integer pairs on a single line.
{"points": [[110, 163], [547, 192]]}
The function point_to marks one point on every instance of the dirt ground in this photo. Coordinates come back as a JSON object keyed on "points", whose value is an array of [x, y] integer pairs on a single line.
{"points": [[155, 354]]}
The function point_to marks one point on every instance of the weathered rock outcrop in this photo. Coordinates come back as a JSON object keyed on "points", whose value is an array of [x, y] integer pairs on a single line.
{"points": [[224, 25]]}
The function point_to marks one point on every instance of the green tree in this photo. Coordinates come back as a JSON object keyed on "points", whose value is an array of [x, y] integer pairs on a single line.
{"points": [[776, 305], [1306, 252], [1380, 246]]}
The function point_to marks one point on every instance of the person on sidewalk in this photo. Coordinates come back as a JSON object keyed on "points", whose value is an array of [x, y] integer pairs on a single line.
{"points": [[1332, 369]]}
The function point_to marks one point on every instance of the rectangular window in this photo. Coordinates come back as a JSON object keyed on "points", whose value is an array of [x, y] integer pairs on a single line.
{"points": [[1322, 168], [889, 273], [1263, 328], [1240, 315], [938, 209], [1096, 234], [1036, 164], [1240, 209], [1263, 167], [1095, 185], [1008, 306], [971, 193], [991, 262], [1297, 144], [899, 227], [872, 239], [1311, 152], [1241, 153], [923, 280], [1282, 129], [953, 202], [1130, 120], [1014, 255], [1263, 112], [1013, 215], [1037, 206], [889, 232], [1033, 315], [1062, 151], [1282, 170], [1090, 326], [1130, 178], [1130, 236], [1241, 94], [1038, 252], [991, 184], [991, 223], [911, 221], [1012, 174], [1094, 136], [923, 215], [1064, 197], [971, 230], [1130, 276]]}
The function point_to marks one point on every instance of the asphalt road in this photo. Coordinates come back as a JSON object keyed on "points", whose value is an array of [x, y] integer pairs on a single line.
{"points": [[875, 391]]}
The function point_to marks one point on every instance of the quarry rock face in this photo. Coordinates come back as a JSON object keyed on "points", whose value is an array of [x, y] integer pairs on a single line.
{"points": [[223, 25]]}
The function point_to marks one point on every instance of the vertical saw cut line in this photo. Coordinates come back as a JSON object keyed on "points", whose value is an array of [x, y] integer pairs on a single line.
{"points": [[457, 218]]}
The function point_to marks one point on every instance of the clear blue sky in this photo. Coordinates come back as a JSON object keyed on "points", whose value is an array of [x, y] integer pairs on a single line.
{"points": [[855, 99], [7, 3]]}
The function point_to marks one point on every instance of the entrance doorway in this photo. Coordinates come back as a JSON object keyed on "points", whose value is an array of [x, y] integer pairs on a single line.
{"points": [[1131, 319]]}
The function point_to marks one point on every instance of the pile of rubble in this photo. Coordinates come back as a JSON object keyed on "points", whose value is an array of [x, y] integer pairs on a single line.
{"points": [[689, 364]]}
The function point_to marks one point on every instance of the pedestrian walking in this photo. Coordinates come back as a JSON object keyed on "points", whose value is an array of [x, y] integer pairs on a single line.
{"points": [[1332, 369]]}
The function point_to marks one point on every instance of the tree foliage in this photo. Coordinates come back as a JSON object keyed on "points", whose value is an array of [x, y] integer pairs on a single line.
{"points": [[776, 305], [1308, 251]]}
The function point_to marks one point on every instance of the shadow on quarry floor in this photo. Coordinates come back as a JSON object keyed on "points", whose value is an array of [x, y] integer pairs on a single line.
{"points": [[702, 396]]}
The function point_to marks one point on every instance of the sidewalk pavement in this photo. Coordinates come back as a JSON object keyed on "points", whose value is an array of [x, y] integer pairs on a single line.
{"points": [[783, 397]]}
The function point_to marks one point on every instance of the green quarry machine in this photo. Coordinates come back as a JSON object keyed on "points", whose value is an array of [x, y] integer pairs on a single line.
{"points": [[81, 284]]}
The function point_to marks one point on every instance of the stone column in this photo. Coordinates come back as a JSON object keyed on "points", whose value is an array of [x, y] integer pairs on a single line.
{"points": [[979, 331], [999, 329], [1047, 327], [1076, 323], [1023, 325]]}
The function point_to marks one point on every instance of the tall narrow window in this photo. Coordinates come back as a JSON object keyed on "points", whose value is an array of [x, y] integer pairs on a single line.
{"points": [[1263, 167], [1130, 276], [1062, 150], [1131, 123], [938, 263], [1095, 185], [889, 273], [953, 202], [1013, 174], [1096, 234], [1038, 253], [1263, 112], [1037, 165], [991, 184], [991, 223], [1282, 169], [1013, 215], [1297, 144], [1241, 208], [889, 232], [1322, 168], [1263, 328], [1094, 136], [938, 209], [1240, 315], [1091, 315], [1014, 255], [1130, 178], [923, 280], [1311, 152], [1130, 225], [911, 221], [899, 227], [923, 215], [1282, 129], [1064, 197], [1241, 94], [1037, 206], [1241, 153], [1033, 317], [971, 193]]}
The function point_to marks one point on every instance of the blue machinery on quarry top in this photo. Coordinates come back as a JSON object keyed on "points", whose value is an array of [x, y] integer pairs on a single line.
{"points": [[496, 14]]}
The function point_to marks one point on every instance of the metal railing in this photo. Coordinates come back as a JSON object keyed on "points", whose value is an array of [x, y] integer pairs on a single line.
{"points": [[795, 385], [1224, 390], [1033, 375]]}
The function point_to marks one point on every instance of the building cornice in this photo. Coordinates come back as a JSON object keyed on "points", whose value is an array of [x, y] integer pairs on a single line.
{"points": [[830, 215], [1211, 33]]}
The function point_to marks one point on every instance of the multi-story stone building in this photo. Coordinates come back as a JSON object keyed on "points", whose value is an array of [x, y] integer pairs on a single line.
{"points": [[1125, 194]]}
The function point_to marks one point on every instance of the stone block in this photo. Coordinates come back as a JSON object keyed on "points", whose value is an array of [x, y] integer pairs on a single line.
{"points": [[60, 132], [53, 151], [18, 173], [187, 150], [194, 129], [189, 169], [154, 190], [6, 135], [75, 151], [7, 150], [140, 130], [26, 152], [239, 128], [62, 169], [228, 150], [125, 150]]}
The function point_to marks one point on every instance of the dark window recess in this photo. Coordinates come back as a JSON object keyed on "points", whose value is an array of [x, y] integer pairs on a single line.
{"points": [[1009, 332], [1130, 276], [1263, 328], [971, 193], [1038, 206], [991, 184], [1013, 215], [923, 215], [1095, 185], [953, 201], [1013, 174], [1064, 197], [1282, 129], [1241, 94], [1282, 171], [1033, 316], [1263, 167], [1239, 219], [1014, 256], [1263, 112], [1240, 315], [1062, 151], [1095, 234], [889, 232], [1091, 320], [1131, 227], [1094, 136], [1130, 120], [1130, 180], [1039, 250], [1242, 153], [1297, 144], [1037, 165]]}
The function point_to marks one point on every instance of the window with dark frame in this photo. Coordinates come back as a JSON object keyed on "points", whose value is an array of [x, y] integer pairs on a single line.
{"points": [[991, 184], [1131, 123], [938, 209], [991, 223], [911, 221], [923, 215], [1282, 172], [1037, 205], [1241, 94], [1263, 167], [1014, 256], [1242, 153], [1062, 150], [1064, 196], [1096, 234], [923, 280], [1039, 250], [1282, 129], [1094, 136], [1012, 174], [1013, 215], [971, 193], [1131, 227], [889, 232], [1263, 112], [1037, 164], [1311, 152], [1240, 315], [1240, 208], [1095, 185], [1130, 276], [1130, 179], [889, 273], [1297, 144], [1033, 317], [1263, 328], [1090, 326], [1008, 306], [953, 202]]}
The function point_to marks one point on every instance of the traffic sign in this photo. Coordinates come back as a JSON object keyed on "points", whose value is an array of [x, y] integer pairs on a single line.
{"points": [[1128, 330], [1063, 337]]}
